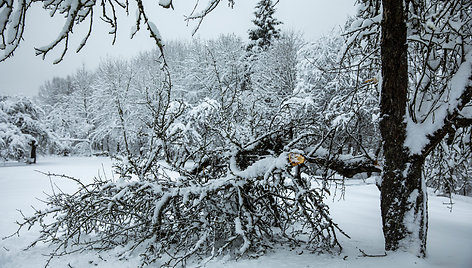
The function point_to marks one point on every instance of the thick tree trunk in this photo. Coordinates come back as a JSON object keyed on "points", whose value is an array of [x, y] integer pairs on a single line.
{"points": [[403, 194]]}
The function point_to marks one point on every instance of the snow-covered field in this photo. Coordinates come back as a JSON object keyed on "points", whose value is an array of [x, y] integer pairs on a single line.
{"points": [[449, 236]]}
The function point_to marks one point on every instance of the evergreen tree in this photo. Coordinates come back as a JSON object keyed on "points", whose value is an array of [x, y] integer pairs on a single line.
{"points": [[261, 36]]}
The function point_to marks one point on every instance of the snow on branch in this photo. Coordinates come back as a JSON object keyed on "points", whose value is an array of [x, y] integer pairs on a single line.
{"points": [[366, 26], [243, 165], [423, 136], [75, 12], [13, 22], [12, 18]]}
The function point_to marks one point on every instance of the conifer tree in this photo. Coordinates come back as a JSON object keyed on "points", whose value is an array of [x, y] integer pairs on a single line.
{"points": [[266, 26]]}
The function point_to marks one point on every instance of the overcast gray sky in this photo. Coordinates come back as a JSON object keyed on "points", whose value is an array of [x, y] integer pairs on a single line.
{"points": [[25, 73]]}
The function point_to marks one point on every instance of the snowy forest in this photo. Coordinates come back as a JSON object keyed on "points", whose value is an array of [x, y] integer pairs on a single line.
{"points": [[225, 147]]}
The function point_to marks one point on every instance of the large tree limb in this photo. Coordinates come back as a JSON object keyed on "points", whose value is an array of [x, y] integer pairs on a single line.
{"points": [[452, 121], [346, 165]]}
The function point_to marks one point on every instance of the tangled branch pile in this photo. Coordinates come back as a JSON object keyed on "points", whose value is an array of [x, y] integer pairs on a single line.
{"points": [[171, 219]]}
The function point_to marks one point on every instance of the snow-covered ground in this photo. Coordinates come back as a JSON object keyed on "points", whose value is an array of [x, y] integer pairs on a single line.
{"points": [[449, 236]]}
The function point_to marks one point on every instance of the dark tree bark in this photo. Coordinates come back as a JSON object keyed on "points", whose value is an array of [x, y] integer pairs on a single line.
{"points": [[403, 194]]}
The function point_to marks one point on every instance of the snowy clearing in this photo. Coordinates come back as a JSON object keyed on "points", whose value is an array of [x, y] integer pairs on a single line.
{"points": [[449, 236]]}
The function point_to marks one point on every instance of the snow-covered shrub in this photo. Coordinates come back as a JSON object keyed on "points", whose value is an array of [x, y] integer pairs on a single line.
{"points": [[13, 143], [20, 124]]}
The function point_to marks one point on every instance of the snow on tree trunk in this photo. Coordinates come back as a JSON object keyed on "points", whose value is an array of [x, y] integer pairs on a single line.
{"points": [[403, 194]]}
